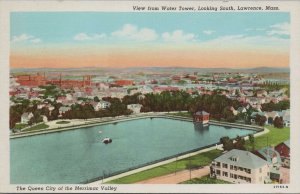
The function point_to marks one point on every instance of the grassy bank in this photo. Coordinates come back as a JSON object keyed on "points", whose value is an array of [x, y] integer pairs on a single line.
{"points": [[274, 137], [202, 159], [37, 127], [205, 180], [62, 122]]}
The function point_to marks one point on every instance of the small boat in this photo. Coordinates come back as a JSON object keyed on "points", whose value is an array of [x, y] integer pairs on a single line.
{"points": [[107, 140], [100, 132]]}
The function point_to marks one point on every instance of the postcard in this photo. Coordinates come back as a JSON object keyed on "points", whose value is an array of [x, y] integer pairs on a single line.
{"points": [[150, 96]]}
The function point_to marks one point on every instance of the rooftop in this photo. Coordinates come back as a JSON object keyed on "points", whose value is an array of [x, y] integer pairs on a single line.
{"points": [[242, 158], [287, 143], [269, 154], [201, 113]]}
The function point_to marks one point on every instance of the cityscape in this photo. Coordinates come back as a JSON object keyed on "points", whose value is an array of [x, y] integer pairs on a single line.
{"points": [[207, 108]]}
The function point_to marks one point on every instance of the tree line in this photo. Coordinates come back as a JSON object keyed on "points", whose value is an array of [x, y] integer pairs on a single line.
{"points": [[216, 104]]}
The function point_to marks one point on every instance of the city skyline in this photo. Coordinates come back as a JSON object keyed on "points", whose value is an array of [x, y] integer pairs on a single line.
{"points": [[65, 40]]}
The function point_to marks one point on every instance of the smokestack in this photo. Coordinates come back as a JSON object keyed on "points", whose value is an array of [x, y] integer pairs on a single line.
{"points": [[83, 81], [60, 81]]}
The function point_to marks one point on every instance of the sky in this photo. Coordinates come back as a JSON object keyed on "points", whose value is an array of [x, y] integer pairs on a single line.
{"points": [[127, 39]]}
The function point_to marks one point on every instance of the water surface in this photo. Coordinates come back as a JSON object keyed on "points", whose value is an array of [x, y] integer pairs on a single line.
{"points": [[79, 155]]}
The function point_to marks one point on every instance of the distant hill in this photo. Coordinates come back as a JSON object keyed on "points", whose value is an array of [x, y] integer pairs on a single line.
{"points": [[153, 69]]}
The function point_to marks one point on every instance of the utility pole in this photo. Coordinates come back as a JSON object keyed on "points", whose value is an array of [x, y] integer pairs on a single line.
{"points": [[190, 168], [175, 165]]}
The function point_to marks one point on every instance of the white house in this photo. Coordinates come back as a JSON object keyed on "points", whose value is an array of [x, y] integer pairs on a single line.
{"points": [[261, 93], [25, 117], [100, 105], [239, 166], [242, 109], [285, 114], [45, 119], [136, 108], [40, 106], [235, 112], [64, 109], [272, 115], [69, 97]]}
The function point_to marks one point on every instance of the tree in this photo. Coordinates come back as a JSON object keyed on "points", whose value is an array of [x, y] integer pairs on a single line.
{"points": [[227, 143], [228, 115], [239, 143], [260, 120], [278, 122], [96, 99], [252, 141], [31, 121]]}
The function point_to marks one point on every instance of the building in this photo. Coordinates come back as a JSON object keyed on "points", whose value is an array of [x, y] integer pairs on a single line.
{"points": [[124, 82], [86, 81], [41, 80], [64, 109], [273, 158], [239, 166], [100, 105], [201, 117], [285, 114], [284, 150], [159, 89], [136, 108], [25, 117], [31, 80], [242, 110], [271, 116]]}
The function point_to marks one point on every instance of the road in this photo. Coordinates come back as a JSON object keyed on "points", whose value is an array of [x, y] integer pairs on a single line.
{"points": [[179, 177]]}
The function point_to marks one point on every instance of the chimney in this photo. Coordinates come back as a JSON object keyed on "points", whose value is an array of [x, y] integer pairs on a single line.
{"points": [[60, 81]]}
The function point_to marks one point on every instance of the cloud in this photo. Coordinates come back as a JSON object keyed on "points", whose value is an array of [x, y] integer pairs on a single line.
{"points": [[279, 29], [208, 32], [26, 38], [36, 40], [178, 36], [241, 40], [84, 36], [255, 29], [132, 32]]}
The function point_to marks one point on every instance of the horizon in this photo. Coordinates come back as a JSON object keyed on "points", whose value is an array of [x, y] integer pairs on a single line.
{"points": [[143, 67], [123, 40]]}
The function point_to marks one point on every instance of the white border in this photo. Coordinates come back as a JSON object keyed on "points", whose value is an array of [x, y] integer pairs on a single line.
{"points": [[293, 7]]}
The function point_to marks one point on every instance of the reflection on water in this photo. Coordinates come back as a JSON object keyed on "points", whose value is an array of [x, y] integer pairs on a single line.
{"points": [[200, 128]]}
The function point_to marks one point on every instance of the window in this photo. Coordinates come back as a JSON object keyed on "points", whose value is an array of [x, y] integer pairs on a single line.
{"points": [[231, 175], [231, 167], [235, 176], [225, 173], [224, 165], [248, 171], [218, 164], [218, 172]]}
